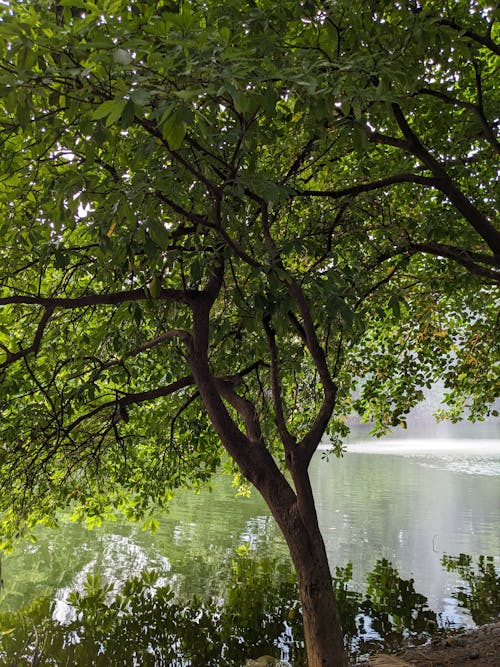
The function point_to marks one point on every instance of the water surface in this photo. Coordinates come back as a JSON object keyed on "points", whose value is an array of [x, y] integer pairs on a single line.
{"points": [[410, 500]]}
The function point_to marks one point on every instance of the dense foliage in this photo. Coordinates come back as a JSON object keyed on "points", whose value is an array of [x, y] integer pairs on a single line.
{"points": [[217, 219], [335, 180]]}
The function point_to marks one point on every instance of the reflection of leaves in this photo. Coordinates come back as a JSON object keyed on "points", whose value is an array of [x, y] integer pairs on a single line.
{"points": [[257, 612], [144, 624], [481, 594], [395, 609], [390, 608]]}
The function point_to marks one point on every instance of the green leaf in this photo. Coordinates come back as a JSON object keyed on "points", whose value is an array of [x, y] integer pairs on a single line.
{"points": [[61, 259], [394, 305], [100, 41], [155, 287], [10, 101], [173, 129], [23, 115], [140, 96], [242, 101], [196, 271], [343, 309], [160, 234], [128, 114], [360, 139], [108, 107]]}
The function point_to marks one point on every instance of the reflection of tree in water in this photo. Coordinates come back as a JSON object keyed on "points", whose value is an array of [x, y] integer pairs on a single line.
{"points": [[480, 594], [144, 624], [259, 613]]}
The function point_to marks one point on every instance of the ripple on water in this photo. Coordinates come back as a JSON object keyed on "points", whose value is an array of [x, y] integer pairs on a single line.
{"points": [[468, 466]]}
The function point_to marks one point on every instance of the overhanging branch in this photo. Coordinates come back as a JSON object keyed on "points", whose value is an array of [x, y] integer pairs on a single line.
{"points": [[445, 184], [109, 299], [368, 187], [118, 405], [470, 260]]}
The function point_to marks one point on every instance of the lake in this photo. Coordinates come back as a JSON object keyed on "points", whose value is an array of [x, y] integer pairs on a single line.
{"points": [[410, 498]]}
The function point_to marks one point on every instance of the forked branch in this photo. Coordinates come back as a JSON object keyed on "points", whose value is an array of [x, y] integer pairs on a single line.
{"points": [[35, 346]]}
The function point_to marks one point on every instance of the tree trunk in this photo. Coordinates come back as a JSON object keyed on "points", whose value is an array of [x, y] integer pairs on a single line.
{"points": [[322, 626]]}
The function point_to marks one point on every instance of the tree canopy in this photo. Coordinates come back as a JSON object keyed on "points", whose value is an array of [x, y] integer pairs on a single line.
{"points": [[147, 151], [220, 218]]}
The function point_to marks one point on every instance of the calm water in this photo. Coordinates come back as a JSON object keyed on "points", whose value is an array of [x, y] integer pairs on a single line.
{"points": [[409, 500]]}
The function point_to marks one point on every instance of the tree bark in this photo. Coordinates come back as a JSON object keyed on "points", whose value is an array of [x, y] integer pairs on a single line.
{"points": [[322, 625]]}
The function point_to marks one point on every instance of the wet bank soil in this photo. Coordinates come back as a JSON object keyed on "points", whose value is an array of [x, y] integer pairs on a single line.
{"points": [[475, 648]]}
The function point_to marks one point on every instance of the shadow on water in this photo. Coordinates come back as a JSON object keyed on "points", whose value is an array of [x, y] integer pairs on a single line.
{"points": [[144, 623]]}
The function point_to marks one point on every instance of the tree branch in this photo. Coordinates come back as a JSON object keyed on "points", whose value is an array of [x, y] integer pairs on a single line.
{"points": [[464, 257], [368, 187], [256, 462], [238, 250], [159, 392], [111, 363], [375, 287], [245, 408], [484, 40], [288, 440], [317, 352], [236, 378], [162, 338], [109, 299], [309, 443], [179, 412], [445, 184], [299, 160], [193, 217], [153, 130], [120, 404], [385, 140], [35, 346], [477, 109]]}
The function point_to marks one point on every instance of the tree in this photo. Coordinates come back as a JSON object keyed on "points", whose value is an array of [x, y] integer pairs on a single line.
{"points": [[210, 238]]}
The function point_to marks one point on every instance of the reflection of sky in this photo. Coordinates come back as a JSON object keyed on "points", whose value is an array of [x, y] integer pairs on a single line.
{"points": [[424, 427], [465, 455], [119, 558], [471, 457]]}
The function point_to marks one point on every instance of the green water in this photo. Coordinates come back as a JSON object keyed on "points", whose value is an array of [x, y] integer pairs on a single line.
{"points": [[410, 501]]}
